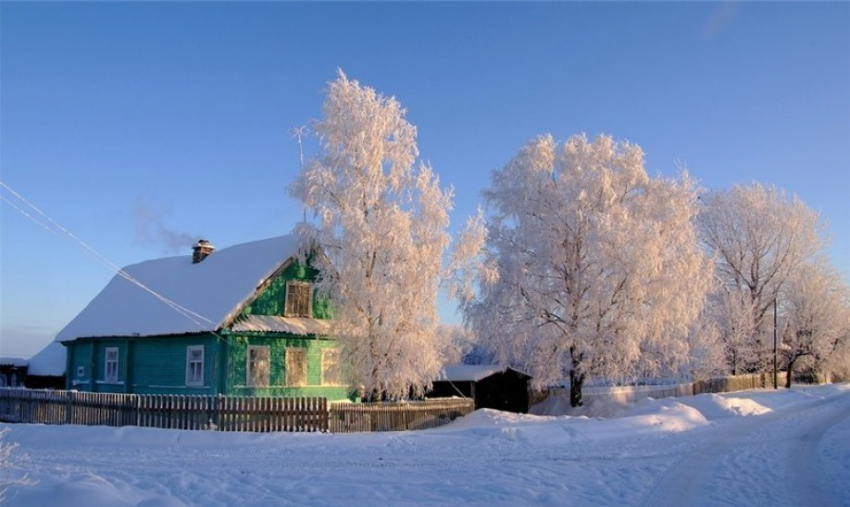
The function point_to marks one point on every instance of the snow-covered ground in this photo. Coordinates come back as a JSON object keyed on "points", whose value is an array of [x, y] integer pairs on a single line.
{"points": [[748, 448]]}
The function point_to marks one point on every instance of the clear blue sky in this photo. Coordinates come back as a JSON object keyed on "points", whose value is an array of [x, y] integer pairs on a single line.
{"points": [[139, 126]]}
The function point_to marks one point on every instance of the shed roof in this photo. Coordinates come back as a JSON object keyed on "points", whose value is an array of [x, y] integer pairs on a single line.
{"points": [[49, 361], [12, 361], [472, 372]]}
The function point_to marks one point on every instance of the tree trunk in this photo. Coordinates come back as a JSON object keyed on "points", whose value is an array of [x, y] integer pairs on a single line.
{"points": [[576, 378], [576, 382], [789, 373]]}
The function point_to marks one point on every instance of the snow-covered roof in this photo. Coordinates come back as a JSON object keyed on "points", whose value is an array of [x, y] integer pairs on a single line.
{"points": [[213, 290], [50, 361], [470, 372], [12, 361]]}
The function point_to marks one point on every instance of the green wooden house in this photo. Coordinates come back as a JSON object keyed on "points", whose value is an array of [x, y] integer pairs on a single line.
{"points": [[242, 320]]}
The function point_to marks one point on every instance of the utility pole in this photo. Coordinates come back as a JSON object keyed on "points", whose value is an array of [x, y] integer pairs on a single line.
{"points": [[775, 376]]}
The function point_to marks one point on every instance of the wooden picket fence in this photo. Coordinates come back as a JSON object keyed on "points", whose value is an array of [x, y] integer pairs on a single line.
{"points": [[628, 395], [224, 413], [734, 383], [398, 416]]}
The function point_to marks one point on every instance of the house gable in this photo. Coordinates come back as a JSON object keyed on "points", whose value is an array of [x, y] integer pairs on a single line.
{"points": [[270, 299]]}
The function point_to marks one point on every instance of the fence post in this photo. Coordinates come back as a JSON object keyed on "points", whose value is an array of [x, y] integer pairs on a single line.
{"points": [[213, 411]]}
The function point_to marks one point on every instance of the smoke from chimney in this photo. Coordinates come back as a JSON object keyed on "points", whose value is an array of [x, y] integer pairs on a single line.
{"points": [[151, 228]]}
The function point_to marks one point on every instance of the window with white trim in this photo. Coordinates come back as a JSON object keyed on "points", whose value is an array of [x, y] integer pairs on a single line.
{"points": [[299, 299], [330, 368], [257, 367], [195, 365], [110, 367], [296, 367]]}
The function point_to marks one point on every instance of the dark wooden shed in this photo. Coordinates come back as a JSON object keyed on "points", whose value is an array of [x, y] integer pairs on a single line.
{"points": [[488, 385], [13, 371]]}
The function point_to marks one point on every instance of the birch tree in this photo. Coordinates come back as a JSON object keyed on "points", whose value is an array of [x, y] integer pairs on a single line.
{"points": [[596, 263], [732, 311], [759, 236], [837, 363], [381, 221], [816, 317], [454, 343], [706, 349]]}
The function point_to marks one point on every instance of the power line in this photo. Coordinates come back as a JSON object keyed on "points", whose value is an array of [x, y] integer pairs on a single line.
{"points": [[24, 213], [56, 228], [183, 311]]}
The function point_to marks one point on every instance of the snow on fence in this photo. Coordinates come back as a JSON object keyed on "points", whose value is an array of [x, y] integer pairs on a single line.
{"points": [[632, 394], [409, 415], [619, 395], [738, 383], [627, 395], [224, 413]]}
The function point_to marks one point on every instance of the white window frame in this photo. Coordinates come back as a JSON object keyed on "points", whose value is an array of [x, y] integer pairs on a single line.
{"points": [[289, 302], [195, 366], [292, 368], [325, 360], [257, 379], [110, 365]]}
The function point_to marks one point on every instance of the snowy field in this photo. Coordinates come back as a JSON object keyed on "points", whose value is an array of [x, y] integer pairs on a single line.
{"points": [[749, 448]]}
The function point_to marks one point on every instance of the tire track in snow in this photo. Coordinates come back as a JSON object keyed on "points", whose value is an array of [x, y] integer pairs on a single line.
{"points": [[770, 459], [806, 479]]}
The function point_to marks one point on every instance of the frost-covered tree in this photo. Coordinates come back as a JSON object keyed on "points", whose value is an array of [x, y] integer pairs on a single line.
{"points": [[454, 343], [598, 267], [731, 310], [815, 311], [837, 363], [382, 223], [706, 349], [759, 236]]}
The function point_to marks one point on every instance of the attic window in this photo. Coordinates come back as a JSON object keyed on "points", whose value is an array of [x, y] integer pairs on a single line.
{"points": [[298, 299]]}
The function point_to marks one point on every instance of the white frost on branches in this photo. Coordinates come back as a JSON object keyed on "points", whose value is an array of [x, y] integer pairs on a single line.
{"points": [[815, 309], [759, 237], [599, 269], [454, 343], [732, 311], [382, 222]]}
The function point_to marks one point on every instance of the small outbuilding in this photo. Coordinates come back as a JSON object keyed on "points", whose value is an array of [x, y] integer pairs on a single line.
{"points": [[490, 386], [13, 371], [47, 368]]}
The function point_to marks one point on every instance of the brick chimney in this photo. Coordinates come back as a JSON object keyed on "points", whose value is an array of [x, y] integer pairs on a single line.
{"points": [[201, 250]]}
